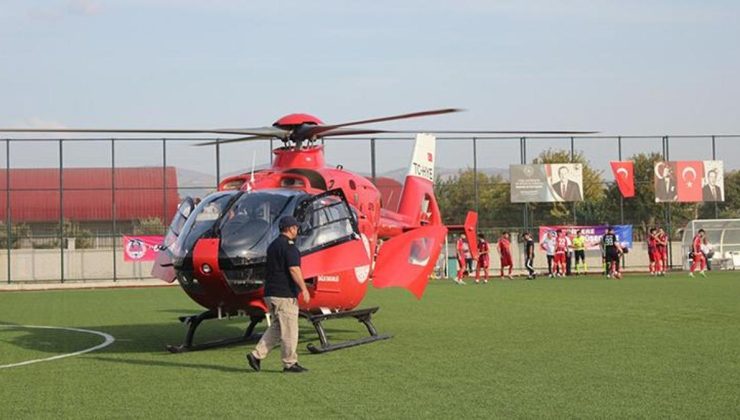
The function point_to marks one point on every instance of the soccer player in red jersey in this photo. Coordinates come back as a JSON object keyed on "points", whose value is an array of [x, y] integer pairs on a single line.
{"points": [[698, 256], [561, 249], [484, 261], [652, 247], [504, 252], [461, 266], [661, 242]]}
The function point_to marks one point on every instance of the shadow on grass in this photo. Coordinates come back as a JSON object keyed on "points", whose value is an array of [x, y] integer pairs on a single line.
{"points": [[246, 370], [153, 338]]}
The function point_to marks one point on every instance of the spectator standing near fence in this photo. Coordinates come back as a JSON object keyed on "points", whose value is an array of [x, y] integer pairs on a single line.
{"points": [[529, 255], [504, 252], [548, 245]]}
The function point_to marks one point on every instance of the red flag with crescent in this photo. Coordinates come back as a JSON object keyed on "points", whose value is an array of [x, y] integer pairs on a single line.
{"points": [[624, 174], [689, 174]]}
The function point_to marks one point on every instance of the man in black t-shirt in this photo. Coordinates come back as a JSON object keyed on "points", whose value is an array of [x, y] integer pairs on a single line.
{"points": [[529, 255], [612, 250], [283, 281]]}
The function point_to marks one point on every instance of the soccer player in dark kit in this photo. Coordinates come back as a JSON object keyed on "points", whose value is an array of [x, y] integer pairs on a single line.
{"points": [[612, 251], [529, 255]]}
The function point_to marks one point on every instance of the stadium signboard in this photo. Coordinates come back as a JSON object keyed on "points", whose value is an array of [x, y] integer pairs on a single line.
{"points": [[689, 181], [552, 182], [593, 233]]}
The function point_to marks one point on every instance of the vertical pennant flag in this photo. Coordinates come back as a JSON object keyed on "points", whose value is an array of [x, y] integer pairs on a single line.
{"points": [[624, 174], [689, 175]]}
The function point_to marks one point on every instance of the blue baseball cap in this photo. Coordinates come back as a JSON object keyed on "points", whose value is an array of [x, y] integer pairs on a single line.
{"points": [[287, 222]]}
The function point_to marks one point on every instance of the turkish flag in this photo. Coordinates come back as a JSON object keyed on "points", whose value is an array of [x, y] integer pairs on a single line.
{"points": [[624, 173], [689, 174]]}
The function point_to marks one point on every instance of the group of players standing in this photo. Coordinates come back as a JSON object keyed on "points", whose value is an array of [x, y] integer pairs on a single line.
{"points": [[465, 258], [657, 242], [558, 247]]}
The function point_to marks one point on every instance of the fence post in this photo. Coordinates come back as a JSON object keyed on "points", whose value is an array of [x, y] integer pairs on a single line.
{"points": [[621, 198], [714, 157], [572, 158], [372, 160], [8, 231], [164, 181], [475, 174], [113, 204], [218, 162], [61, 209], [523, 161]]}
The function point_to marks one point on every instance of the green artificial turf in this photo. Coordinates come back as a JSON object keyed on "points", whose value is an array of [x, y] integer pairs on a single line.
{"points": [[577, 347]]}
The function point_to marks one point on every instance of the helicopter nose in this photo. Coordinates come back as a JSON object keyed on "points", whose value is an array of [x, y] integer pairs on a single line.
{"points": [[205, 259]]}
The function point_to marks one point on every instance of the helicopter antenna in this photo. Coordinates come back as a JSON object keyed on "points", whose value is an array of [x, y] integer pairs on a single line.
{"points": [[251, 178]]}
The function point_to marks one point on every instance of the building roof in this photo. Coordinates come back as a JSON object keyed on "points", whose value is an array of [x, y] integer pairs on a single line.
{"points": [[88, 193]]}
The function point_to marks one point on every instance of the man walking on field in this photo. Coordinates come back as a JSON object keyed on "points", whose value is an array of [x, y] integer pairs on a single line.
{"points": [[504, 252], [698, 259]]}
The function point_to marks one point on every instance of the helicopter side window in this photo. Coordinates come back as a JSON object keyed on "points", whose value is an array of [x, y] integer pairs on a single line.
{"points": [[326, 220], [184, 209]]}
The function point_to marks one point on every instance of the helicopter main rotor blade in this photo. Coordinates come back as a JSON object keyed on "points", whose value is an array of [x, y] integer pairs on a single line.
{"points": [[234, 140], [317, 130], [261, 131], [494, 132]]}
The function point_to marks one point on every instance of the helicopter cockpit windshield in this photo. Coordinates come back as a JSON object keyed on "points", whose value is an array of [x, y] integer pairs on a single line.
{"points": [[250, 224]]}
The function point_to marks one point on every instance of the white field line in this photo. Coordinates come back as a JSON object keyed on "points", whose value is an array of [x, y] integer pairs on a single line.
{"points": [[109, 339]]}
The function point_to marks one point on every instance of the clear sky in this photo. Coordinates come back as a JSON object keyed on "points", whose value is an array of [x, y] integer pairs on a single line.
{"points": [[619, 67]]}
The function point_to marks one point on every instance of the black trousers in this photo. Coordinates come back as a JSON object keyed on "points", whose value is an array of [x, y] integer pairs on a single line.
{"points": [[529, 264], [549, 263]]}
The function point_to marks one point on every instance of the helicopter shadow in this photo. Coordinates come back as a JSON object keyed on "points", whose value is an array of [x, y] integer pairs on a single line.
{"points": [[153, 338]]}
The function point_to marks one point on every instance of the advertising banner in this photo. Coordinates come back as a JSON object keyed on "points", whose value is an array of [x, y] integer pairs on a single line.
{"points": [[552, 182], [141, 248], [593, 234], [689, 181]]}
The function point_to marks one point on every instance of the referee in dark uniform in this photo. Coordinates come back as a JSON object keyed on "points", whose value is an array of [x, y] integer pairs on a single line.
{"points": [[283, 282]]}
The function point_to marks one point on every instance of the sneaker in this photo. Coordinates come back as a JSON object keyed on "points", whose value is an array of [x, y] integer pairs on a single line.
{"points": [[691, 274], [295, 368], [477, 281], [510, 277], [253, 362], [703, 274], [485, 281], [549, 276]]}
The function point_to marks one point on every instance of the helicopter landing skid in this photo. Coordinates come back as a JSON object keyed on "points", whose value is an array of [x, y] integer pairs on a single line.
{"points": [[362, 315], [193, 321]]}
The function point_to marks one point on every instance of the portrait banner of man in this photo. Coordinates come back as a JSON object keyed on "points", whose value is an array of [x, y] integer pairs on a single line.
{"points": [[566, 181], [665, 182], [713, 183]]}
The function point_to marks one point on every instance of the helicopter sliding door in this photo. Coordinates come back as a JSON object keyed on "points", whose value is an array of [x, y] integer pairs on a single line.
{"points": [[329, 238], [163, 268]]}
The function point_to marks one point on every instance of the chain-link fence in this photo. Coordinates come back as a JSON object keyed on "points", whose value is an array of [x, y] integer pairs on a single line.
{"points": [[65, 204]]}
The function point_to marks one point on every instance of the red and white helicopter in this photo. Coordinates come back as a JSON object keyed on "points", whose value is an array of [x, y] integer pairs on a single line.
{"points": [[216, 249]]}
